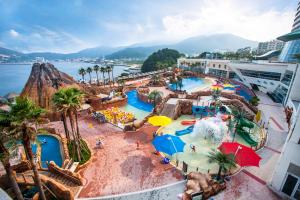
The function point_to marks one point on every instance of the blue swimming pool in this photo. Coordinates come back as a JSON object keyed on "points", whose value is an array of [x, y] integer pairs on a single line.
{"points": [[189, 84], [134, 101], [50, 150]]}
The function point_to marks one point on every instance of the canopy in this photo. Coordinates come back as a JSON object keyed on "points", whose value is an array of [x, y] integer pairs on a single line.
{"points": [[168, 144], [159, 120], [244, 156]]}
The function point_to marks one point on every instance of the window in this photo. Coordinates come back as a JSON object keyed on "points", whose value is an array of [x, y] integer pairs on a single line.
{"points": [[289, 185], [224, 66], [287, 77], [214, 65], [261, 74], [219, 66], [265, 82]]}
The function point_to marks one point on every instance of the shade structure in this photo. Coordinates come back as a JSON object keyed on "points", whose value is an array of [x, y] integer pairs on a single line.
{"points": [[168, 144], [228, 85], [159, 120], [244, 156]]}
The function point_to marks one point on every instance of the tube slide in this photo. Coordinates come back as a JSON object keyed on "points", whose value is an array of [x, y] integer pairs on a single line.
{"points": [[185, 131]]}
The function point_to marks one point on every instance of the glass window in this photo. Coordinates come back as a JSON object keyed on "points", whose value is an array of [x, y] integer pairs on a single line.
{"points": [[289, 185], [287, 77], [261, 74], [289, 51]]}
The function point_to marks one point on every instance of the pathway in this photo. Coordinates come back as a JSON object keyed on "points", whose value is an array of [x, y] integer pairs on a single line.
{"points": [[120, 167]]}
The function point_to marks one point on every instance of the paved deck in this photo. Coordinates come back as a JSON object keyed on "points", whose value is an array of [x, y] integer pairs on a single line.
{"points": [[120, 167]]}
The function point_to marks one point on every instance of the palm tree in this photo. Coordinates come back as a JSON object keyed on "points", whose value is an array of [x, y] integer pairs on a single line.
{"points": [[102, 70], [224, 161], [155, 79], [68, 101], [82, 72], [216, 94], [121, 83], [112, 74], [108, 70], [89, 70], [239, 116], [96, 69], [155, 96], [23, 113], [6, 137]]}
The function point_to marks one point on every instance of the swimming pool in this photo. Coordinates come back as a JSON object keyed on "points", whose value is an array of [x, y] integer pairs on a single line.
{"points": [[190, 84], [134, 101], [50, 150]]}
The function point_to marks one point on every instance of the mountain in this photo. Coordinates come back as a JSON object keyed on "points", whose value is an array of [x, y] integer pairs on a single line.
{"points": [[194, 45], [8, 52]]}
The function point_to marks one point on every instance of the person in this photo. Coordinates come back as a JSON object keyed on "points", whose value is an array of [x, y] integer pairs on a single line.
{"points": [[193, 147], [137, 145], [99, 144], [44, 141]]}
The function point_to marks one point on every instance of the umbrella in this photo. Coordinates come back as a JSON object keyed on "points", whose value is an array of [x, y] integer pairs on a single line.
{"points": [[168, 144], [244, 156], [159, 120]]}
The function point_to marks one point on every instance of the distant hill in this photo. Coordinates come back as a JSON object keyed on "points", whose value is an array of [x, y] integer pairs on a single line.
{"points": [[194, 45], [8, 52]]}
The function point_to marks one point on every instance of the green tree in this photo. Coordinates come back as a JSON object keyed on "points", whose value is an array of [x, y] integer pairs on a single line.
{"points": [[239, 117], [82, 72], [155, 96], [112, 74], [8, 144], [23, 113], [224, 161], [89, 70], [108, 70], [216, 95], [68, 101], [161, 59], [102, 70], [97, 69], [121, 83]]}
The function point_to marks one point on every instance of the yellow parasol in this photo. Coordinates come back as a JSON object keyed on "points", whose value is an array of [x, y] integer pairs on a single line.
{"points": [[159, 120]]}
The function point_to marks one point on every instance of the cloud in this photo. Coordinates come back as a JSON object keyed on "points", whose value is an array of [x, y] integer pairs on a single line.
{"points": [[228, 16], [39, 38], [13, 33]]}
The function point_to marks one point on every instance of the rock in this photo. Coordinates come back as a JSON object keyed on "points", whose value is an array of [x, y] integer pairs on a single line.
{"points": [[43, 82]]}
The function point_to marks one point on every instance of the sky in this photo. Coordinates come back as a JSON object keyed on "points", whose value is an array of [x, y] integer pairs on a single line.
{"points": [[66, 26]]}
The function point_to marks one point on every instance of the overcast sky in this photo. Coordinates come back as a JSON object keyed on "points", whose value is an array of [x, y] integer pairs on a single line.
{"points": [[72, 25]]}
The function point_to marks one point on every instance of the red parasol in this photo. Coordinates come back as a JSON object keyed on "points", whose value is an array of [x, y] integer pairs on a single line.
{"points": [[244, 156]]}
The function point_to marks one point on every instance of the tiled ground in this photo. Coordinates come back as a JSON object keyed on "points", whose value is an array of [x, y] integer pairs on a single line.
{"points": [[120, 167]]}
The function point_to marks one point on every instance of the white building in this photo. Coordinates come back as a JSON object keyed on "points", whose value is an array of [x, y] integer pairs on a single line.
{"points": [[264, 47], [269, 77], [286, 177]]}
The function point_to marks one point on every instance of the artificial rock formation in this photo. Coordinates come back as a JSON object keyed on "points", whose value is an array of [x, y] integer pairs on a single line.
{"points": [[43, 82]]}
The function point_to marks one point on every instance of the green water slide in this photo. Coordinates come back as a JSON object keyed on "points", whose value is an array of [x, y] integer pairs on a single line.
{"points": [[244, 134]]}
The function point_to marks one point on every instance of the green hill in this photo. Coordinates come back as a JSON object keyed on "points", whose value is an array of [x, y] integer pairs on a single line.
{"points": [[161, 59]]}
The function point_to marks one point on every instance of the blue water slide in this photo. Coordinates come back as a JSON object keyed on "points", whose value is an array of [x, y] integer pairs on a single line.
{"points": [[188, 130]]}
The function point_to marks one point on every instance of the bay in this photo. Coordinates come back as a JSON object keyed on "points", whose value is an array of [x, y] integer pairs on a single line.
{"points": [[13, 77]]}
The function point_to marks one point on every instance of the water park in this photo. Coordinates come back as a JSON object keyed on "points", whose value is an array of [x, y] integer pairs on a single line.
{"points": [[175, 127]]}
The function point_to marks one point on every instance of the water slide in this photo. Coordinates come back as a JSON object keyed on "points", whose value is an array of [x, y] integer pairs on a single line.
{"points": [[185, 131], [244, 134]]}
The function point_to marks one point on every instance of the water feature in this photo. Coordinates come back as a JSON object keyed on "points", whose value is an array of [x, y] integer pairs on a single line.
{"points": [[134, 101], [210, 128], [50, 149], [189, 84]]}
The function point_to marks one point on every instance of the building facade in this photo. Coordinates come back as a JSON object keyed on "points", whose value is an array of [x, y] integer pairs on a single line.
{"points": [[292, 46], [286, 177], [264, 47]]}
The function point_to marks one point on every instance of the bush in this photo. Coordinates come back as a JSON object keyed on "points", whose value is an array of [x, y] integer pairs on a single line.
{"points": [[254, 101], [85, 152]]}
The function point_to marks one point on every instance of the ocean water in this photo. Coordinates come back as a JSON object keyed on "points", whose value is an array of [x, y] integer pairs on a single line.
{"points": [[14, 77]]}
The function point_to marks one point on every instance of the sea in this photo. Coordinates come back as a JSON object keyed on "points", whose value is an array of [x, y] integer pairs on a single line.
{"points": [[13, 77]]}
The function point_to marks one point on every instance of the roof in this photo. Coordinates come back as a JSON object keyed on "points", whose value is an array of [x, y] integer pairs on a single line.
{"points": [[290, 36]]}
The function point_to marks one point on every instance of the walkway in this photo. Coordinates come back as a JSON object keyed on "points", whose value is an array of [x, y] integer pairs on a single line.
{"points": [[120, 167], [252, 182]]}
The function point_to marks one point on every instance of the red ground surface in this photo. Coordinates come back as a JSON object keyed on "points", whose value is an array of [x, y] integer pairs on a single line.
{"points": [[120, 167]]}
